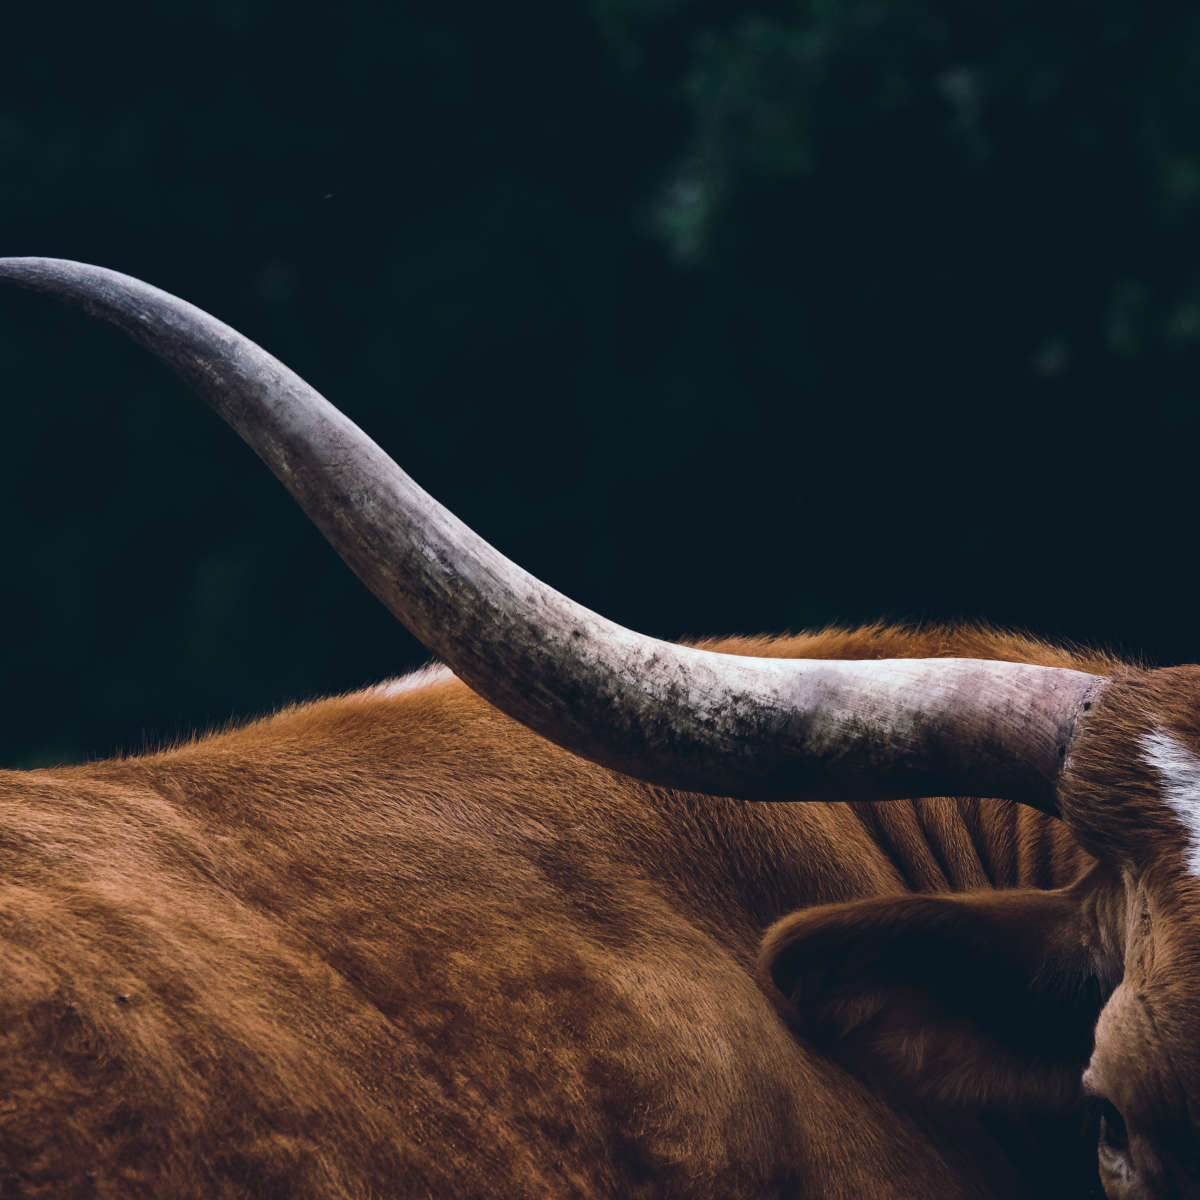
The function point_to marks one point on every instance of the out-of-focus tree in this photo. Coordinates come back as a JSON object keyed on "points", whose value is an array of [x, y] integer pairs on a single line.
{"points": [[721, 315]]}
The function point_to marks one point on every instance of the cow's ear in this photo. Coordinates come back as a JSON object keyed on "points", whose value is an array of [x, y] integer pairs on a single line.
{"points": [[979, 1001]]}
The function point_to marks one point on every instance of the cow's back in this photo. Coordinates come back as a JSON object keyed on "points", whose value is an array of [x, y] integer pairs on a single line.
{"points": [[394, 944]]}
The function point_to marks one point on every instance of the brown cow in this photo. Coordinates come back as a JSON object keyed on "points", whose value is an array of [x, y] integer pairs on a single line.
{"points": [[397, 944]]}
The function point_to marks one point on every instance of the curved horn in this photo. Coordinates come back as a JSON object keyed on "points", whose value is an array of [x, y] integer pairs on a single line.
{"points": [[672, 715]]}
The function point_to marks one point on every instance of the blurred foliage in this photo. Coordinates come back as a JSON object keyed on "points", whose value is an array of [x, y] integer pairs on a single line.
{"points": [[721, 316]]}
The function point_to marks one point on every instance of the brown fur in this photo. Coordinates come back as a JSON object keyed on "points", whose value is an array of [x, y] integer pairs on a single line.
{"points": [[377, 947]]}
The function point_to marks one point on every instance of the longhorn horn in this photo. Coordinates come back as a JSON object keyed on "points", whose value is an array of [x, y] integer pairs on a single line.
{"points": [[671, 715]]}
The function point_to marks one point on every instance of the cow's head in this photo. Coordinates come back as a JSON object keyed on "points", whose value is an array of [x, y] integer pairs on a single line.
{"points": [[1031, 1001], [1131, 795], [1023, 978]]}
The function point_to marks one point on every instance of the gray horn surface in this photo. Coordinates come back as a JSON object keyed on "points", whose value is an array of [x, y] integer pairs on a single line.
{"points": [[668, 714]]}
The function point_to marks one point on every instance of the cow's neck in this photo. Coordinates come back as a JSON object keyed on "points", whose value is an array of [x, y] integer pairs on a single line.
{"points": [[771, 859]]}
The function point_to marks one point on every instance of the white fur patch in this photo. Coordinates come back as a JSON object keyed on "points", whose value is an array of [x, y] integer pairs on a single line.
{"points": [[1179, 769], [425, 677]]}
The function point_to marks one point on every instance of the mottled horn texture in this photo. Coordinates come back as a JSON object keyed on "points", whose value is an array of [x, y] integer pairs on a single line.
{"points": [[672, 715]]}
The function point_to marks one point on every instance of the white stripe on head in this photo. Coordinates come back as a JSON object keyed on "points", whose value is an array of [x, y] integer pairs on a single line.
{"points": [[1179, 769], [425, 677]]}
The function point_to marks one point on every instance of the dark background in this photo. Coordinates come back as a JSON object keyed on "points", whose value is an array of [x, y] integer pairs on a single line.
{"points": [[721, 317]]}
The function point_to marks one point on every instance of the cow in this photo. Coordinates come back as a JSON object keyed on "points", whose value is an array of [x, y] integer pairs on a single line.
{"points": [[582, 913]]}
